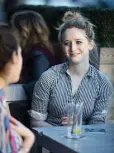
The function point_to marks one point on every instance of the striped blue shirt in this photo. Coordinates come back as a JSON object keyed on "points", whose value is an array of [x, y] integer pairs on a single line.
{"points": [[53, 91]]}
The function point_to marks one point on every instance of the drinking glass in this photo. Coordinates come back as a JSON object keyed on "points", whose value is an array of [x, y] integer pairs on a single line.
{"points": [[77, 121], [69, 112], [74, 114]]}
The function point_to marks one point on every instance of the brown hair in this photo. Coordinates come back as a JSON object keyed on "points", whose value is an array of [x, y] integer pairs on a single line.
{"points": [[8, 45], [31, 29], [75, 19]]}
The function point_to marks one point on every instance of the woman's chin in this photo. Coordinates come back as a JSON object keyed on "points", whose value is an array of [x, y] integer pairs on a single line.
{"points": [[15, 80], [75, 60]]}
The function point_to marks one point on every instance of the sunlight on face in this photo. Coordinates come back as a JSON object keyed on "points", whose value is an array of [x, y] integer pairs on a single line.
{"points": [[20, 58], [76, 45], [18, 65]]}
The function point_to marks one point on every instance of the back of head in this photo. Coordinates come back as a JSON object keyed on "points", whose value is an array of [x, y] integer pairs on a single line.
{"points": [[31, 28], [8, 45], [75, 19]]}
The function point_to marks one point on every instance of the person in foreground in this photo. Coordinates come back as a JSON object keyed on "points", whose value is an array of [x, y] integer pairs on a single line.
{"points": [[75, 81], [14, 137]]}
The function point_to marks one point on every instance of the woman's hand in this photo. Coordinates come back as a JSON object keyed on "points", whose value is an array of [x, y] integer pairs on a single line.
{"points": [[23, 132], [20, 128], [64, 121]]}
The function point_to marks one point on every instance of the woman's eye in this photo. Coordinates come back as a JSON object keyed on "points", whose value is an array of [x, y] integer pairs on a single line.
{"points": [[78, 42], [66, 43]]}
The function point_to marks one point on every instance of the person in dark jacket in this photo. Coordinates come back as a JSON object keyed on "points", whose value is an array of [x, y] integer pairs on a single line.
{"points": [[37, 50]]}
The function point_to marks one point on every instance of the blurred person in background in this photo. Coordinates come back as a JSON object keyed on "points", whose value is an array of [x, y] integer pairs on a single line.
{"points": [[37, 49]]}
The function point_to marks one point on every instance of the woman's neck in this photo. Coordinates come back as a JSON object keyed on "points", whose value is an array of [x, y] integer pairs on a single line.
{"points": [[78, 69], [3, 81]]}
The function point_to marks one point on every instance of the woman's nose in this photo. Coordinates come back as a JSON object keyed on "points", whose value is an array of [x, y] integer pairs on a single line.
{"points": [[73, 47]]}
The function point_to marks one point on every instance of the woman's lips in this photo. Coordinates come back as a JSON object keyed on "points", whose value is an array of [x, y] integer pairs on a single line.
{"points": [[72, 54]]}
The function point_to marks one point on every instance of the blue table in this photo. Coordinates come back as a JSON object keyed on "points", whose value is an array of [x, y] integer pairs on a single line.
{"points": [[94, 142]]}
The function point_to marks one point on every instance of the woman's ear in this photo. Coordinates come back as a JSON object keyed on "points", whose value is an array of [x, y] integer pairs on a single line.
{"points": [[91, 45]]}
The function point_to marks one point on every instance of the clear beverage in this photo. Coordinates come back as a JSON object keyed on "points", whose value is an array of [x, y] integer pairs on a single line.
{"points": [[69, 112], [77, 121], [74, 113]]}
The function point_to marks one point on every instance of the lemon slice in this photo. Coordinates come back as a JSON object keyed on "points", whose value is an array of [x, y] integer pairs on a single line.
{"points": [[77, 131]]}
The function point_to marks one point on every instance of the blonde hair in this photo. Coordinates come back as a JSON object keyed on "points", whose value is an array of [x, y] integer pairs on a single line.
{"points": [[75, 19], [31, 28]]}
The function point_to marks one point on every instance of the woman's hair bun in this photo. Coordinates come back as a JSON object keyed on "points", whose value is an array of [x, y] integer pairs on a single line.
{"points": [[71, 15]]}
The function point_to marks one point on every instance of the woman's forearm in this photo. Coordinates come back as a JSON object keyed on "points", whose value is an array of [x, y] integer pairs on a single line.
{"points": [[27, 144], [36, 123]]}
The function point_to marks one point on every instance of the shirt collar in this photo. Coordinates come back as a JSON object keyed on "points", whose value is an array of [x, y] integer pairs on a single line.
{"points": [[90, 72], [64, 67]]}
